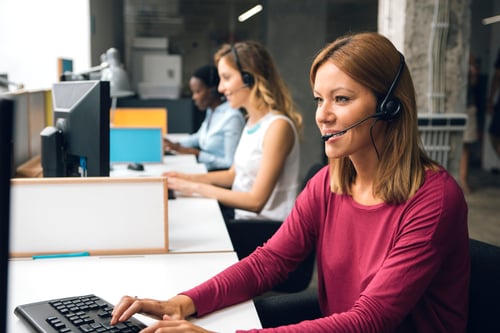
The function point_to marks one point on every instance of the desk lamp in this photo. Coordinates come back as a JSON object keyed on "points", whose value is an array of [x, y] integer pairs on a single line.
{"points": [[5, 83], [116, 75]]}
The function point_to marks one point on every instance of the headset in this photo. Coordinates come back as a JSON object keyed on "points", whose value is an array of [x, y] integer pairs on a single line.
{"points": [[247, 78], [390, 107]]}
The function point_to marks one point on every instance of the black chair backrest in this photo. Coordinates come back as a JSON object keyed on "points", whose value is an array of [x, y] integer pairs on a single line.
{"points": [[484, 290], [6, 137]]}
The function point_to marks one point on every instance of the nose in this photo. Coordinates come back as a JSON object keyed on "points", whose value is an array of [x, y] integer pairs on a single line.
{"points": [[220, 88], [324, 113]]}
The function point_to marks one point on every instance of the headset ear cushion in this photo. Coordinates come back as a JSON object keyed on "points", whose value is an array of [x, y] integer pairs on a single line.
{"points": [[389, 109], [248, 79]]}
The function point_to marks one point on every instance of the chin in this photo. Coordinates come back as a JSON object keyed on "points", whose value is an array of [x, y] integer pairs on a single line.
{"points": [[333, 154]]}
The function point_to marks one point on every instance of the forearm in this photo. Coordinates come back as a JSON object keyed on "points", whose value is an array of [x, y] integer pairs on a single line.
{"points": [[185, 305], [187, 150]]}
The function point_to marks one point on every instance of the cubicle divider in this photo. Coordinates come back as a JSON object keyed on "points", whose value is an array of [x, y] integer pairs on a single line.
{"points": [[89, 216], [31, 114]]}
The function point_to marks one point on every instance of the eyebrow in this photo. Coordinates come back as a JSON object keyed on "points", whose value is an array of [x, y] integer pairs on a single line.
{"points": [[335, 90]]}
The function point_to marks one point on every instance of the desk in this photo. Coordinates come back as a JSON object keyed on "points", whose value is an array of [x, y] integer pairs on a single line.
{"points": [[151, 276], [197, 225], [194, 224]]}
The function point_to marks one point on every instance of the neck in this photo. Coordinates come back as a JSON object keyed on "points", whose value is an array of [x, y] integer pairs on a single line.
{"points": [[215, 104], [256, 114]]}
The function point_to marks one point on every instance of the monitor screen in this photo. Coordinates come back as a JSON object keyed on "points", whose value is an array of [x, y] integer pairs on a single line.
{"points": [[6, 125], [77, 145]]}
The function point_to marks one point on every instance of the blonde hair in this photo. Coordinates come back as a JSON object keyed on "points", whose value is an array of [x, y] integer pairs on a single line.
{"points": [[372, 60], [269, 89]]}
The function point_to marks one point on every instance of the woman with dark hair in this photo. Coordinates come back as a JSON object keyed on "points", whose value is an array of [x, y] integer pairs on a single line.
{"points": [[389, 225], [215, 141]]}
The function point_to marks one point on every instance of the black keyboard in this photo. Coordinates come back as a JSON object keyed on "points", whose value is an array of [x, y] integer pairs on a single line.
{"points": [[86, 314]]}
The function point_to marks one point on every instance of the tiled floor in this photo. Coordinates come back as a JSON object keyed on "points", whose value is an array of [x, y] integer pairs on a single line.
{"points": [[484, 205]]}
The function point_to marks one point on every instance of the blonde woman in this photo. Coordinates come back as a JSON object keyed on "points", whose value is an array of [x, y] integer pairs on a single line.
{"points": [[262, 183]]}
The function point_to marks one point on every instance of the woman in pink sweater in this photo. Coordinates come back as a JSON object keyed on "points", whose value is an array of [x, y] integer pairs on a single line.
{"points": [[388, 224]]}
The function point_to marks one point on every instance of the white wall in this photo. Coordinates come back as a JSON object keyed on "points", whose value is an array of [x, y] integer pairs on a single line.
{"points": [[34, 33]]}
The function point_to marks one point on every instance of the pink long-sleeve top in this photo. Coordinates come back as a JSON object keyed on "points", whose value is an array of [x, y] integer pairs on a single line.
{"points": [[381, 268]]}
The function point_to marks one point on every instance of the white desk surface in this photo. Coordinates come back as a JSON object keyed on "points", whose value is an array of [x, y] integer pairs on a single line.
{"points": [[175, 137], [183, 163], [151, 276], [197, 225]]}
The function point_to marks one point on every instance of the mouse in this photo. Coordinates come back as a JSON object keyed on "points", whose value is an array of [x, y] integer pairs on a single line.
{"points": [[136, 166]]}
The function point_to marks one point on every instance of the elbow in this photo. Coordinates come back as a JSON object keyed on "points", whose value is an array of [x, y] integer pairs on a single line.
{"points": [[256, 206]]}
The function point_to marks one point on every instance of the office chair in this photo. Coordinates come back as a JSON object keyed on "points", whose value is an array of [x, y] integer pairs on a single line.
{"points": [[484, 289], [247, 235]]}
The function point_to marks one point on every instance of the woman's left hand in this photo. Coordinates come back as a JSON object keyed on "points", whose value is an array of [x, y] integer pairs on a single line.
{"points": [[172, 325], [185, 187]]}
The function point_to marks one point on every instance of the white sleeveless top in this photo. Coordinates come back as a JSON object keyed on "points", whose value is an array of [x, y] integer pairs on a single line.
{"points": [[247, 161]]}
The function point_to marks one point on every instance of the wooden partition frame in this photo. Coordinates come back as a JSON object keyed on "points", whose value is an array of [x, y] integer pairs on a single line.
{"points": [[98, 215]]}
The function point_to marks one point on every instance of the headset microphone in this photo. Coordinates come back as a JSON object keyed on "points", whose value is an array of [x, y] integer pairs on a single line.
{"points": [[237, 89], [326, 137]]}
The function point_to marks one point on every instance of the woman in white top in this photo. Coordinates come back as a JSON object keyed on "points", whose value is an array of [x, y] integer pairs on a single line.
{"points": [[262, 183]]}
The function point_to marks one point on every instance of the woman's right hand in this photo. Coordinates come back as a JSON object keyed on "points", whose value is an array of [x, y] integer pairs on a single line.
{"points": [[178, 307], [170, 146], [175, 174]]}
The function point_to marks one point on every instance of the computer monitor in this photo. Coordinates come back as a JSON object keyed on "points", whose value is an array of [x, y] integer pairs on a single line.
{"points": [[6, 125], [78, 143]]}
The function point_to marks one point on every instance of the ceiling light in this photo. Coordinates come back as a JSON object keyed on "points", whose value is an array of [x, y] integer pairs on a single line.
{"points": [[249, 13], [490, 20]]}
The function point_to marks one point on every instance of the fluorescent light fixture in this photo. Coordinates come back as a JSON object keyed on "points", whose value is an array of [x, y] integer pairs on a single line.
{"points": [[249, 13], [490, 20]]}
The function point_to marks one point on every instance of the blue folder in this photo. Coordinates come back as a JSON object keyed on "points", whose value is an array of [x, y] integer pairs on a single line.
{"points": [[135, 145]]}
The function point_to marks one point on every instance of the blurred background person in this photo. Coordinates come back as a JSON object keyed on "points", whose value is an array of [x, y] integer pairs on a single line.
{"points": [[493, 107], [471, 131]]}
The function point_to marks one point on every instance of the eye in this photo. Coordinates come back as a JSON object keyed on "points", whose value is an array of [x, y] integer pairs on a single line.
{"points": [[318, 100], [341, 99]]}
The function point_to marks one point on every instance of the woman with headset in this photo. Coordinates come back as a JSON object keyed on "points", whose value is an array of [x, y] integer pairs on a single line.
{"points": [[215, 141], [262, 183], [388, 224]]}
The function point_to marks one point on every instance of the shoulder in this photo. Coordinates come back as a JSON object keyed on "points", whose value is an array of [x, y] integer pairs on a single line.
{"points": [[440, 195], [318, 183], [226, 109], [279, 130], [280, 122]]}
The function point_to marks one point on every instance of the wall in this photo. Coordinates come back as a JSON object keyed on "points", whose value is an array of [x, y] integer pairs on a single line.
{"points": [[35, 33], [297, 22], [106, 28]]}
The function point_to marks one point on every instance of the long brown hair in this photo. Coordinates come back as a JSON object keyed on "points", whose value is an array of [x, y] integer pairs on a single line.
{"points": [[269, 88], [372, 60]]}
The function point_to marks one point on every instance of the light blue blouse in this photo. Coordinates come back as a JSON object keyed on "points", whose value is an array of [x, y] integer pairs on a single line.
{"points": [[217, 137]]}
